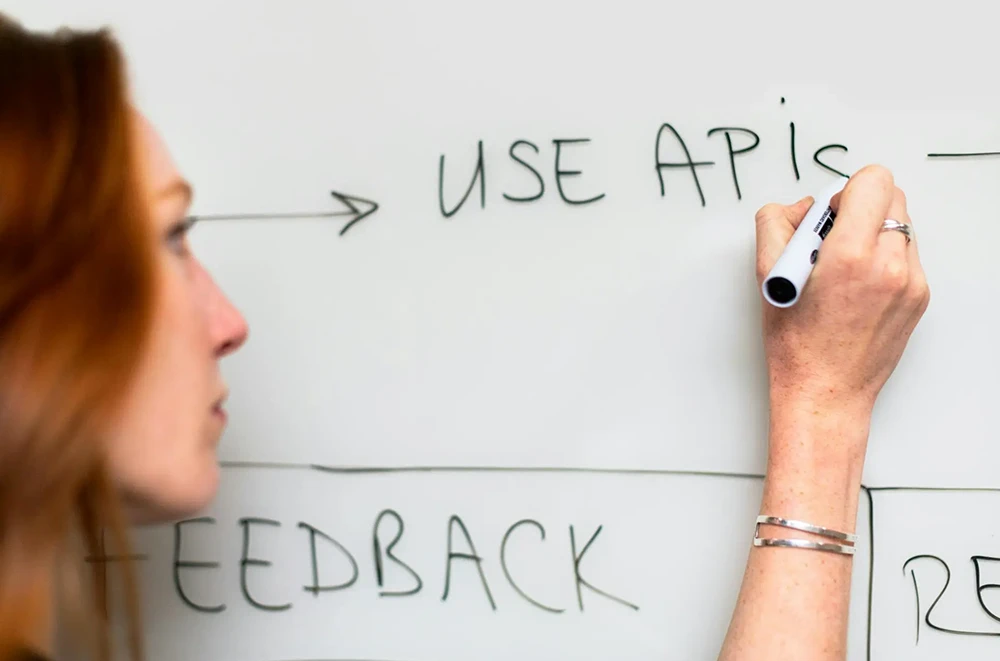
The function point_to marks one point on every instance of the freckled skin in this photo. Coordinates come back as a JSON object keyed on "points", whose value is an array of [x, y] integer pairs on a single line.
{"points": [[828, 358]]}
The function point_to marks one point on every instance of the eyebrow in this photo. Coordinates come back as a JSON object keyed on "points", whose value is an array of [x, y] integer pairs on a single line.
{"points": [[177, 187]]}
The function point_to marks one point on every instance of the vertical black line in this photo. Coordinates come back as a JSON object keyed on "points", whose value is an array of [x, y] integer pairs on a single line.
{"points": [[916, 591], [871, 568], [576, 566], [795, 162], [315, 565]]}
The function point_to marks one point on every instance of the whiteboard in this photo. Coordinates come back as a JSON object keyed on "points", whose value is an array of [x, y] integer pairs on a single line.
{"points": [[586, 359]]}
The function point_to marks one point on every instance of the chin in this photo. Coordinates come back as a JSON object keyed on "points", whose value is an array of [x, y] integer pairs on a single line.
{"points": [[178, 496]]}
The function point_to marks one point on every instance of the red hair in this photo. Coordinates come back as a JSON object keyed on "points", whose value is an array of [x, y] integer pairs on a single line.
{"points": [[76, 293]]}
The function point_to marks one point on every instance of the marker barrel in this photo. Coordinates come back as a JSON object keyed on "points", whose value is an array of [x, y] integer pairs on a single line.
{"points": [[784, 283]]}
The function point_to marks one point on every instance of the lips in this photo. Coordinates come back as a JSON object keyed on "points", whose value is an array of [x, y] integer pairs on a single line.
{"points": [[218, 410]]}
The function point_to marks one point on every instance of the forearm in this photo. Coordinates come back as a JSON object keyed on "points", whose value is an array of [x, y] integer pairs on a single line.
{"points": [[793, 603]]}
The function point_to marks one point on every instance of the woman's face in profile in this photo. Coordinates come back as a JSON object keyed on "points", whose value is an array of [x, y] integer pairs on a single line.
{"points": [[163, 449]]}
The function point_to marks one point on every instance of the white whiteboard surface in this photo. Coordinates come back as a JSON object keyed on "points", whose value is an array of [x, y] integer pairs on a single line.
{"points": [[620, 335]]}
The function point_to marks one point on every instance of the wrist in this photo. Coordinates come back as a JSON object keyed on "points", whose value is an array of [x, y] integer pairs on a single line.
{"points": [[788, 392], [817, 494], [815, 462], [808, 430]]}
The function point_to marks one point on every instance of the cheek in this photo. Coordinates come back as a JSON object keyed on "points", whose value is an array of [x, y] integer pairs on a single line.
{"points": [[161, 454]]}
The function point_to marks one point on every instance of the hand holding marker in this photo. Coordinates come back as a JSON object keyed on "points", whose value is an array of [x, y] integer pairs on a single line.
{"points": [[783, 284]]}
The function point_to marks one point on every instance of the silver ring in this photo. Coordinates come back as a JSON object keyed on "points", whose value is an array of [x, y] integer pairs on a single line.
{"points": [[890, 225]]}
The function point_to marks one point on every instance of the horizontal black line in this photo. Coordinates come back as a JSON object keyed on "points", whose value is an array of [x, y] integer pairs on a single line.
{"points": [[272, 216], [117, 558], [376, 470], [265, 464], [528, 469], [955, 489], [368, 470], [963, 154]]}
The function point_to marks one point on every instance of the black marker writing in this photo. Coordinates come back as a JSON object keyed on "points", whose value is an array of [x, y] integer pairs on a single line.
{"points": [[980, 588], [191, 564], [569, 173], [387, 562], [246, 561], [316, 588], [791, 131], [969, 154], [506, 572], [479, 174], [688, 163], [824, 165], [947, 582], [473, 555], [102, 558], [541, 182], [732, 153], [580, 580], [377, 548]]}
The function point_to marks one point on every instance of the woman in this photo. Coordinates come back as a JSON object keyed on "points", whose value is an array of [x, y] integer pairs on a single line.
{"points": [[110, 330], [110, 334]]}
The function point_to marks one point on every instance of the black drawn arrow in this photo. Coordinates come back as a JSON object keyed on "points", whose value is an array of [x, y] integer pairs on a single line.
{"points": [[358, 208]]}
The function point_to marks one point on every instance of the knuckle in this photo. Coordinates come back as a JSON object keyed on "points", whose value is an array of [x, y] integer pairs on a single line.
{"points": [[920, 292], [851, 256], [896, 276]]}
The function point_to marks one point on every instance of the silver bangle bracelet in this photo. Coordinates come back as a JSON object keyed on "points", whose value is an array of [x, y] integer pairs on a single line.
{"points": [[805, 544], [806, 527]]}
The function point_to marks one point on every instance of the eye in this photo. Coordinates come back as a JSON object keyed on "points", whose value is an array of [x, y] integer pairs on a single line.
{"points": [[176, 236]]}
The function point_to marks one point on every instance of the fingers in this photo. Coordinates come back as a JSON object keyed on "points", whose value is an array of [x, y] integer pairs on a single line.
{"points": [[917, 292], [796, 212], [856, 248], [891, 245], [861, 207], [894, 259], [899, 258], [775, 225]]}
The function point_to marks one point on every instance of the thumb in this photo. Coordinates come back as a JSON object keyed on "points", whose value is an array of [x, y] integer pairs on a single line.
{"points": [[775, 225]]}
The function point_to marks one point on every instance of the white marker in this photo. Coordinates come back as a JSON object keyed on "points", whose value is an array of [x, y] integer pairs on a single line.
{"points": [[784, 283]]}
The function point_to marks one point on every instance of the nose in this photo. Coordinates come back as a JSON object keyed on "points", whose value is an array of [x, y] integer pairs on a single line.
{"points": [[228, 328]]}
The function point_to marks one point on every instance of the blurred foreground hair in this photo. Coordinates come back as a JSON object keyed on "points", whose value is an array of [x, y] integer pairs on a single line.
{"points": [[76, 294]]}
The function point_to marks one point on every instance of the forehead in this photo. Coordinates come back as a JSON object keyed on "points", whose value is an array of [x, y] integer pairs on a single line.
{"points": [[159, 168]]}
